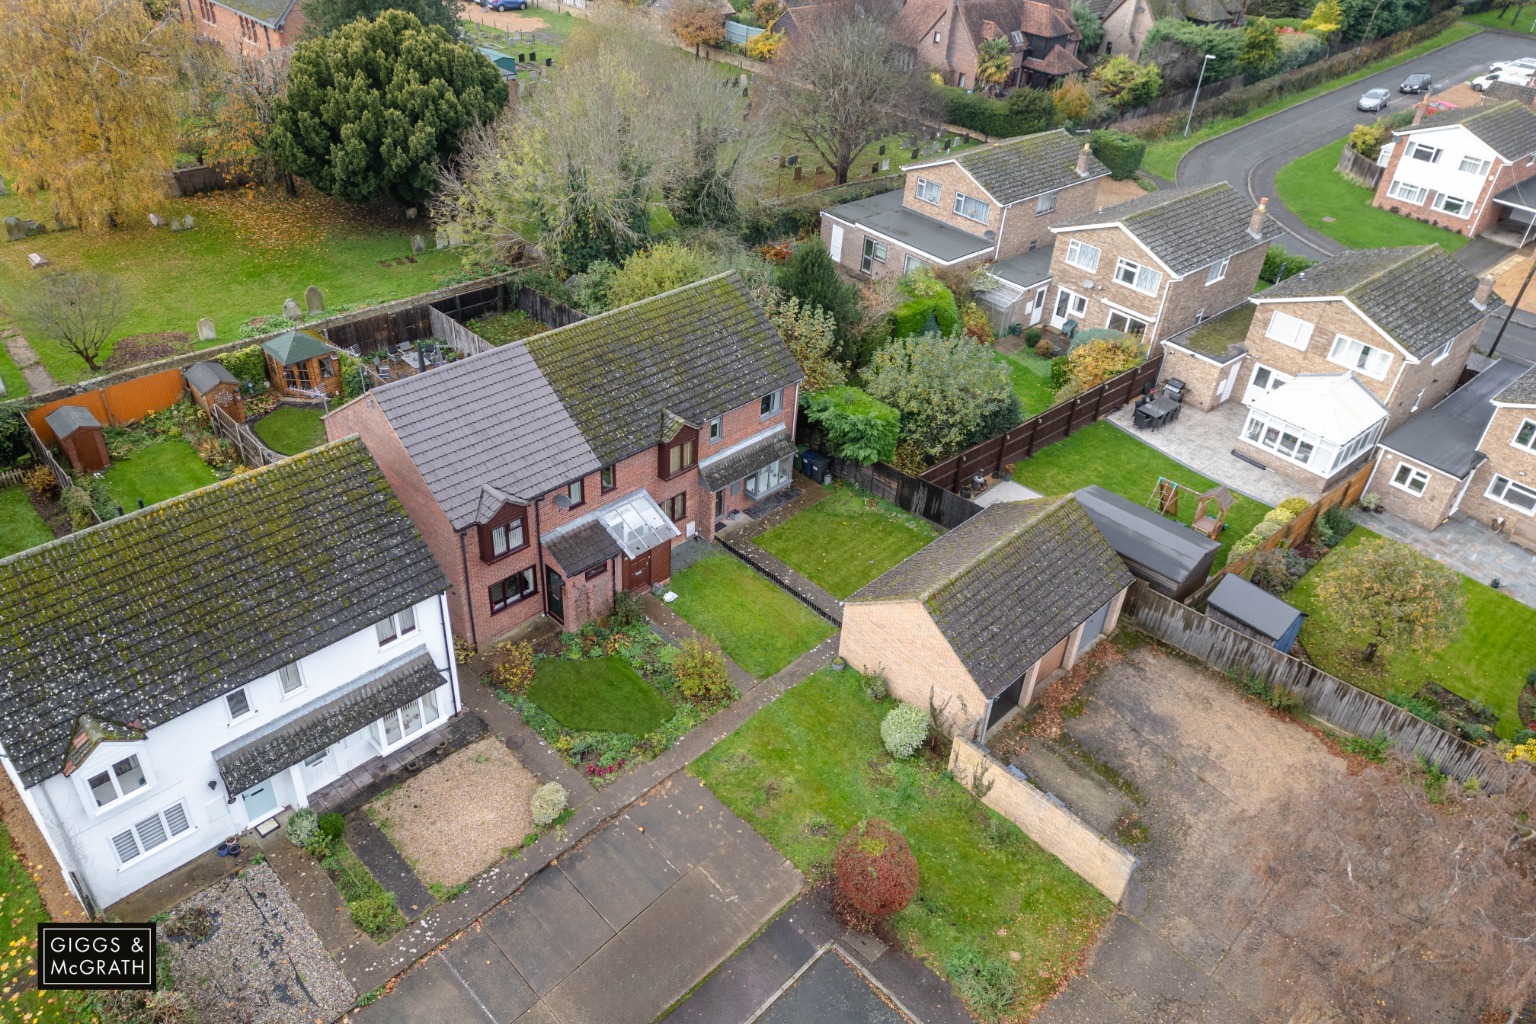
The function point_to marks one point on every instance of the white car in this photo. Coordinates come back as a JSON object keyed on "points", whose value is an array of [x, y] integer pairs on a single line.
{"points": [[1519, 62], [1512, 75]]}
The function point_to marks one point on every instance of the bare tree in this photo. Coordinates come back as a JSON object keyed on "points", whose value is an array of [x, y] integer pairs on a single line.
{"points": [[845, 84], [77, 309], [256, 82], [1412, 899]]}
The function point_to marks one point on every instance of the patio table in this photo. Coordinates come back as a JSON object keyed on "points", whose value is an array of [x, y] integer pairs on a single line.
{"points": [[1155, 413]]}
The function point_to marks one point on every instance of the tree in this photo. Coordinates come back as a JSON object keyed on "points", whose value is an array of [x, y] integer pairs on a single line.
{"points": [[696, 22], [91, 98], [326, 16], [846, 84], [254, 86], [812, 277], [661, 268], [855, 425], [764, 46], [1261, 49], [876, 873], [1089, 24], [1034, 110], [77, 309], [1127, 84], [1413, 900], [1179, 47], [1326, 18], [994, 62], [375, 107], [944, 388], [811, 334], [1386, 596], [1077, 101]]}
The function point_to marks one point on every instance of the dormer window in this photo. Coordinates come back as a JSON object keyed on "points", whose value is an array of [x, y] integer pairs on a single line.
{"points": [[121, 779], [505, 534]]}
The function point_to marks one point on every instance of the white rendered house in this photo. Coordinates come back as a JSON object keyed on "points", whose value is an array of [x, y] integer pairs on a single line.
{"points": [[183, 673]]}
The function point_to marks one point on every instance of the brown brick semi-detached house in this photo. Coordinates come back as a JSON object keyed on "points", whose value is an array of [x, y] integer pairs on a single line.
{"points": [[249, 26], [946, 35], [1159, 264], [1463, 170], [551, 473], [975, 624]]}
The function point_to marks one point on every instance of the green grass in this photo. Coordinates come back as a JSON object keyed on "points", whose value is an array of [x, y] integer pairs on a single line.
{"points": [[761, 627], [1103, 454], [513, 325], [598, 695], [249, 252], [1031, 377], [810, 766], [1511, 22], [20, 525], [291, 429], [372, 908], [21, 910], [1313, 189], [160, 471], [1487, 662], [10, 376], [846, 540], [1163, 157]]}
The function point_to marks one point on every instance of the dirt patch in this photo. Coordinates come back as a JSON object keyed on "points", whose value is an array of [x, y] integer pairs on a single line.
{"points": [[32, 848], [1112, 191], [457, 817], [507, 21]]}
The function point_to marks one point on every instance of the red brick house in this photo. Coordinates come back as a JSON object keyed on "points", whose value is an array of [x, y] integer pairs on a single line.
{"points": [[946, 35], [260, 25], [551, 473]]}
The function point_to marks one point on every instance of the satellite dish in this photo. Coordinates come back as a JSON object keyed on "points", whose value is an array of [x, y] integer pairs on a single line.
{"points": [[1087, 283], [990, 235]]}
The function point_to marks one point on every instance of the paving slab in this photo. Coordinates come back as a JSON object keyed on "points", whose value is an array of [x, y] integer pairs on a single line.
{"points": [[539, 1014], [832, 991], [547, 930], [485, 969], [620, 872], [686, 822], [746, 982], [1141, 971], [430, 992], [384, 862], [1083, 1002]]}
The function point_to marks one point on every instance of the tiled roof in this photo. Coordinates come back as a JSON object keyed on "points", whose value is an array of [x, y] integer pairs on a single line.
{"points": [[1008, 584], [1419, 295], [331, 717], [1522, 391], [1210, 11], [1499, 92], [1188, 228], [581, 548], [143, 618], [722, 470], [1446, 436], [1021, 168], [207, 375], [1509, 128], [295, 347], [67, 419], [1057, 62]]}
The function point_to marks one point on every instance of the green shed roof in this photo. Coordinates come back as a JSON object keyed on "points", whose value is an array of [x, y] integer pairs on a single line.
{"points": [[296, 347]]}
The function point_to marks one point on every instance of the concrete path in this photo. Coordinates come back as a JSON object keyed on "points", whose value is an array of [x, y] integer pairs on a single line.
{"points": [[38, 379], [616, 931]]}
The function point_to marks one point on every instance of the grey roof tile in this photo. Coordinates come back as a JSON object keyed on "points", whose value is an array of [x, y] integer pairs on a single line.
{"points": [[1008, 584], [1446, 436], [722, 470], [1021, 168], [1509, 127], [206, 375], [67, 419], [1522, 391], [583, 547], [143, 618], [1419, 295], [1188, 228], [1253, 606]]}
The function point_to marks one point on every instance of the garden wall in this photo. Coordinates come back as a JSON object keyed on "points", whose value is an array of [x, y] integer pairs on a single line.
{"points": [[116, 404], [1100, 862], [1342, 705]]}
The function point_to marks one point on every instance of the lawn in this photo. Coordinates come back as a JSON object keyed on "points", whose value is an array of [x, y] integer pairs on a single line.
{"points": [[1508, 19], [250, 250], [501, 328], [1313, 190], [846, 540], [1104, 454], [598, 695], [20, 525], [1031, 377], [160, 471], [10, 376], [761, 627], [1487, 662], [290, 429], [21, 909], [1162, 158], [810, 766]]}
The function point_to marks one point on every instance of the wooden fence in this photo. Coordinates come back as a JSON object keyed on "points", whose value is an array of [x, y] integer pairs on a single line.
{"points": [[1340, 704], [1359, 169], [546, 310], [1058, 422], [371, 334], [457, 335], [249, 447], [1297, 530], [60, 474], [919, 497], [9, 477], [116, 404]]}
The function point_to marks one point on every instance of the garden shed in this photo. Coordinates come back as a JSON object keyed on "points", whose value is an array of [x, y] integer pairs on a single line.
{"points": [[81, 438], [1172, 559], [301, 365], [1255, 611], [212, 385]]}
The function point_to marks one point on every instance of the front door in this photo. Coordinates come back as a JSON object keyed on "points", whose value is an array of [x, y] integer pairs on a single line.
{"points": [[719, 504], [260, 802], [1069, 306], [1037, 308], [317, 770], [554, 590], [1263, 381], [652, 567]]}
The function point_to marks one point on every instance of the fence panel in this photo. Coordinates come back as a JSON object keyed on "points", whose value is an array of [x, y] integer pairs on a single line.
{"points": [[1359, 169], [117, 404], [1342, 705], [60, 474], [1299, 529], [457, 335], [547, 310], [472, 305], [90, 400], [376, 333], [738, 34], [252, 452], [916, 496]]}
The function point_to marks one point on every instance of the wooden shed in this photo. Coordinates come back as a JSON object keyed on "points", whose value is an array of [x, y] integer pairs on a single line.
{"points": [[212, 385], [301, 365], [80, 436], [1254, 611]]}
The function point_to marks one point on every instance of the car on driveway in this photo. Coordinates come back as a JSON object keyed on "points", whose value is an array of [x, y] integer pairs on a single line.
{"points": [[1416, 83], [1512, 74], [1376, 99]]}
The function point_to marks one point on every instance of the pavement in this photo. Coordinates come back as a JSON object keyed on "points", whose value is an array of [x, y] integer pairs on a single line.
{"points": [[616, 931]]}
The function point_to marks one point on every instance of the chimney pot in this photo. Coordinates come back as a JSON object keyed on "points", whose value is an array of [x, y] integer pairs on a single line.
{"points": [[1082, 161], [1256, 222]]}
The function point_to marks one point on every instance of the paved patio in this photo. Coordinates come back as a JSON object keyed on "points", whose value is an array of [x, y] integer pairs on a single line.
{"points": [[1470, 548], [1203, 441]]}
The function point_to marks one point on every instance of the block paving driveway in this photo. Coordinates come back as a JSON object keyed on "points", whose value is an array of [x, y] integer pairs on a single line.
{"points": [[616, 931]]}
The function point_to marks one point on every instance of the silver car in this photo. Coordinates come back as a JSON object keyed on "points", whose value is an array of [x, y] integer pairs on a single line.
{"points": [[1376, 99]]}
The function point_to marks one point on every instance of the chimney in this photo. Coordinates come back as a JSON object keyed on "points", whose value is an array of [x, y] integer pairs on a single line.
{"points": [[1419, 110], [1082, 161], [1484, 291], [1256, 222]]}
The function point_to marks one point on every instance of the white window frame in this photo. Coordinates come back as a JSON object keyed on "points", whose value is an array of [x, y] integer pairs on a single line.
{"points": [[1407, 476], [1442, 352], [716, 429], [964, 203], [1503, 485], [1083, 256], [772, 477], [1443, 198], [163, 820], [1529, 444], [1407, 192], [399, 625], [1281, 329], [774, 401], [1358, 361], [929, 191], [1479, 165], [229, 709], [290, 672], [1218, 271], [88, 792], [1418, 147], [1142, 278], [911, 263], [428, 701], [1129, 318], [1046, 203]]}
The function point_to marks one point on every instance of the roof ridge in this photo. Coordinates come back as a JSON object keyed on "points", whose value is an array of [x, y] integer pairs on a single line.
{"points": [[1040, 507], [544, 335]]}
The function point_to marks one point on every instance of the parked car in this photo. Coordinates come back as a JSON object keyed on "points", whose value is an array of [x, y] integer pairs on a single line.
{"points": [[1416, 83], [1513, 75], [1376, 99], [1518, 62], [507, 5]]}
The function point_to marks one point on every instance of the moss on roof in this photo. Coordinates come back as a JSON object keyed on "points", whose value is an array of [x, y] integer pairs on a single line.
{"points": [[1222, 336]]}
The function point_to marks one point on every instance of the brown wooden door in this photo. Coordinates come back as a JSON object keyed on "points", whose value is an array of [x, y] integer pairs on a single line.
{"points": [[637, 572], [661, 561], [1053, 659]]}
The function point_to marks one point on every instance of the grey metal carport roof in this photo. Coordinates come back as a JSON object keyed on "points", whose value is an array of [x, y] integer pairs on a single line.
{"points": [[1142, 536]]}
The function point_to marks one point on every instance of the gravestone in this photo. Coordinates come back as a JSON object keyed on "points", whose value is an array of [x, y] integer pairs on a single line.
{"points": [[314, 302], [522, 58], [410, 213], [156, 221], [885, 165], [37, 259], [947, 144], [455, 235], [882, 149], [442, 239], [3, 190], [549, 62], [205, 331], [186, 222], [175, 223], [14, 232], [533, 58], [794, 161], [797, 172], [418, 244], [745, 93], [291, 310], [874, 168], [915, 152]]}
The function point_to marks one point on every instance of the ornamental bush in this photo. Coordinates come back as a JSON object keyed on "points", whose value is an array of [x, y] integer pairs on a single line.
{"points": [[1295, 505], [1120, 152], [876, 873], [903, 730], [511, 667], [77, 503], [248, 366], [1279, 516], [856, 425], [548, 803], [701, 673], [930, 306], [303, 827], [332, 826]]}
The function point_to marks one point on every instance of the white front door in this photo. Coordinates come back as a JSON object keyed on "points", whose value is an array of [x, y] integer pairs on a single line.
{"points": [[1224, 390], [1069, 306], [318, 770], [260, 802], [1263, 381], [1037, 308], [835, 245]]}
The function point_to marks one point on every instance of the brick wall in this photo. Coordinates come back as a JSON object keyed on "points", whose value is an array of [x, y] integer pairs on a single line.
{"points": [[952, 179], [1504, 460], [1428, 509], [1436, 380], [901, 640], [1023, 225], [1192, 295], [853, 251], [1309, 480], [235, 31], [1112, 244], [1202, 377]]}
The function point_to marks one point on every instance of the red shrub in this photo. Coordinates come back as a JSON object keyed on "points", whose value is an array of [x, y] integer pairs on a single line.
{"points": [[876, 873]]}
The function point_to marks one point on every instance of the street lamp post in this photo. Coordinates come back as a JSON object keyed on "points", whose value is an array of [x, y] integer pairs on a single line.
{"points": [[1196, 98]]}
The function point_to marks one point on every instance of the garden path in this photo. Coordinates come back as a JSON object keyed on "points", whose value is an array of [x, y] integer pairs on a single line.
{"points": [[38, 379]]}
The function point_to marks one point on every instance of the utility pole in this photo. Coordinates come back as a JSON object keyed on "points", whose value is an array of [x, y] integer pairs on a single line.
{"points": [[1512, 307]]}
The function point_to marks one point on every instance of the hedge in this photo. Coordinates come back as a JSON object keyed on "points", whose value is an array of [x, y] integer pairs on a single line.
{"points": [[802, 214], [1120, 152], [856, 425], [990, 117]]}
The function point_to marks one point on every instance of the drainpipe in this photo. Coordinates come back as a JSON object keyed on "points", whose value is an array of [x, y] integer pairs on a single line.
{"points": [[453, 662], [538, 540], [1157, 326], [469, 596]]}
